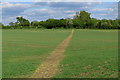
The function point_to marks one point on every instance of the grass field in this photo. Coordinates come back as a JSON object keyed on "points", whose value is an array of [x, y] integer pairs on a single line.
{"points": [[90, 53], [24, 50]]}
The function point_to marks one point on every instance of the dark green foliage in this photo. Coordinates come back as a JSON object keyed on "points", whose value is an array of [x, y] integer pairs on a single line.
{"points": [[84, 16], [24, 23], [78, 24], [69, 23], [34, 24], [81, 20]]}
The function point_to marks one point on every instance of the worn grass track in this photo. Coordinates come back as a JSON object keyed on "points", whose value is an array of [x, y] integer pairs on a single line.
{"points": [[49, 67]]}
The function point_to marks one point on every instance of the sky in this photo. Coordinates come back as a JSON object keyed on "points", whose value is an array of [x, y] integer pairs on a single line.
{"points": [[40, 10], [60, 0]]}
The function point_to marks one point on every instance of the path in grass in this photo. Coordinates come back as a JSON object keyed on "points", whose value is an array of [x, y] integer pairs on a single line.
{"points": [[49, 68]]}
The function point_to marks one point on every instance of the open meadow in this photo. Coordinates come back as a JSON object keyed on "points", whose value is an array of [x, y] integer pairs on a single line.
{"points": [[88, 54], [91, 54], [24, 50]]}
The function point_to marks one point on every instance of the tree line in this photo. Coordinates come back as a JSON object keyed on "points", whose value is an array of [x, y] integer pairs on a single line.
{"points": [[81, 20]]}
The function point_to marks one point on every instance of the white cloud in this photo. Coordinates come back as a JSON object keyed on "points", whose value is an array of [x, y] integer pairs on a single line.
{"points": [[103, 14], [70, 11], [14, 8], [18, 0], [71, 15], [11, 10], [60, 1], [103, 9], [8, 4], [76, 0], [37, 11], [42, 11], [40, 14], [67, 1]]}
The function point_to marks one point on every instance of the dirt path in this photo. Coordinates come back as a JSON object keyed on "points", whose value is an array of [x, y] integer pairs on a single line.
{"points": [[49, 68]]}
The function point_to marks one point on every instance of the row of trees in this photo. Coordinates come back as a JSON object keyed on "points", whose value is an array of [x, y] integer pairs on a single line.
{"points": [[81, 20]]}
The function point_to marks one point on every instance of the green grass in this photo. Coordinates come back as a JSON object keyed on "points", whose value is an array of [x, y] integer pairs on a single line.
{"points": [[24, 50], [91, 54]]}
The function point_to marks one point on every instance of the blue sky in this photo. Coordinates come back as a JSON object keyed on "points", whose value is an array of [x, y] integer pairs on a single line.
{"points": [[38, 10], [60, 0]]}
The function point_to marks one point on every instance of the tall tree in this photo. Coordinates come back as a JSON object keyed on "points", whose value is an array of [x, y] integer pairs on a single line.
{"points": [[23, 22], [83, 16]]}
